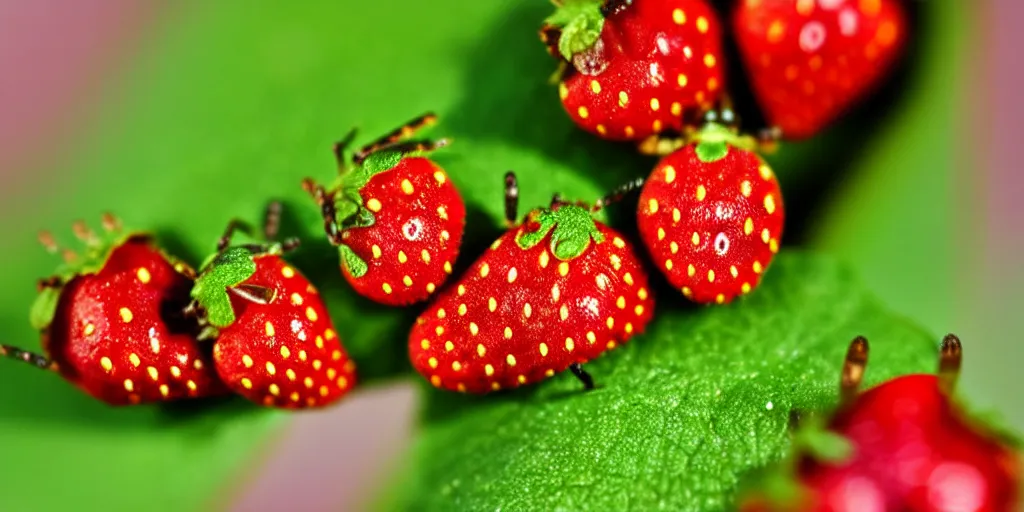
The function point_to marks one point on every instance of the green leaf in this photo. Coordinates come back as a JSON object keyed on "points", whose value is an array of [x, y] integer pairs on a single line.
{"points": [[228, 269], [681, 413], [581, 22]]}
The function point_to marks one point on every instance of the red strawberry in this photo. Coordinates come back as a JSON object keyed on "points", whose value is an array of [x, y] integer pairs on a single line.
{"points": [[276, 344], [638, 66], [396, 217], [711, 216], [552, 293], [905, 446], [108, 325], [810, 61]]}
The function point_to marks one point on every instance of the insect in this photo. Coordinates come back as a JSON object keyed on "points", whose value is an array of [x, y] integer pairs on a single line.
{"points": [[809, 62], [637, 67], [395, 216], [111, 323], [903, 445], [555, 291], [275, 343], [711, 213]]}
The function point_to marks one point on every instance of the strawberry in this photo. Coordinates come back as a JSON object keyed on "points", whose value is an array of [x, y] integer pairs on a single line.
{"points": [[810, 61], [711, 215], [108, 323], [552, 293], [638, 67], [395, 216], [275, 342], [903, 445]]}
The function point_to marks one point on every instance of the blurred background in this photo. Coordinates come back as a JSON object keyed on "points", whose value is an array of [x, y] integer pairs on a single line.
{"points": [[930, 214]]}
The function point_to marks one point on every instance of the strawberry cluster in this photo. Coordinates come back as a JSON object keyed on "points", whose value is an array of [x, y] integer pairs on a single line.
{"points": [[129, 324]]}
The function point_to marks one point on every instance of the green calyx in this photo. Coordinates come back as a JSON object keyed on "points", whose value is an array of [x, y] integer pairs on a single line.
{"points": [[355, 265], [91, 260], [571, 227], [713, 141], [226, 269], [348, 203], [581, 22]]}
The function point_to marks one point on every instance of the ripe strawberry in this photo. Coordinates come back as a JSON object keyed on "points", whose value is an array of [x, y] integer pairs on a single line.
{"points": [[638, 67], [108, 323], [395, 216], [905, 445], [552, 293], [711, 216], [275, 342], [810, 61]]}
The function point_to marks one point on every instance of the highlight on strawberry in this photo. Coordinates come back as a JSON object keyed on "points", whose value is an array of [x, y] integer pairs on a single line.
{"points": [[902, 445], [395, 216], [273, 340], [554, 292], [111, 321]]}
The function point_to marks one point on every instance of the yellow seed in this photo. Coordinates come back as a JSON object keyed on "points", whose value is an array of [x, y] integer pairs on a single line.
{"points": [[563, 91], [676, 215], [153, 374], [387, 288], [402, 258], [563, 268], [720, 298], [655, 104], [549, 372], [492, 304], [734, 271], [481, 350], [432, 362], [769, 203], [544, 259], [407, 187], [311, 314], [691, 270], [527, 310], [521, 379], [425, 256], [287, 272], [591, 337], [439, 177], [661, 234], [489, 370], [473, 329], [745, 287], [126, 315], [628, 328], [673, 247], [296, 299], [269, 329], [628, 278], [463, 309], [89, 329], [687, 292], [711, 276], [324, 390], [484, 270], [639, 310], [746, 188], [508, 332], [594, 86], [677, 108], [701, 192], [175, 372], [512, 274], [456, 365], [543, 349], [511, 360], [765, 235], [642, 293], [773, 245], [285, 353], [294, 396], [143, 275], [319, 342], [582, 111], [623, 98], [652, 206], [621, 302], [374, 205], [271, 369], [563, 312], [431, 287], [107, 364], [461, 290], [610, 322], [669, 264], [134, 358], [748, 226], [709, 60], [407, 281], [695, 238], [164, 390], [681, 79], [274, 389], [569, 344], [308, 382], [291, 374], [678, 16], [702, 24]]}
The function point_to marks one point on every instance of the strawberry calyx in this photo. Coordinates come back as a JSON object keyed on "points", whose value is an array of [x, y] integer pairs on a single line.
{"points": [[714, 139], [581, 22], [571, 227], [91, 260], [223, 274]]}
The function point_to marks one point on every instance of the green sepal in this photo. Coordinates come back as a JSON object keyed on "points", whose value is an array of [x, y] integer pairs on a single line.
{"points": [[581, 22], [713, 142], [43, 308], [573, 226], [224, 270], [823, 444], [348, 204], [355, 265]]}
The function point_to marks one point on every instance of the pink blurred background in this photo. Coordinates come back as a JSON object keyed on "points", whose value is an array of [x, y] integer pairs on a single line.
{"points": [[51, 85]]}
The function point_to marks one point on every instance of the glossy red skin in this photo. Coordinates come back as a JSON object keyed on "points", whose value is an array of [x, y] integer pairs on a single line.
{"points": [[589, 301], [716, 217], [804, 81], [285, 353], [131, 354], [431, 218], [914, 452], [646, 52]]}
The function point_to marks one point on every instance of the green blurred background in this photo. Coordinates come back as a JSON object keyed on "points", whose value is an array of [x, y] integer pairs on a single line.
{"points": [[180, 116]]}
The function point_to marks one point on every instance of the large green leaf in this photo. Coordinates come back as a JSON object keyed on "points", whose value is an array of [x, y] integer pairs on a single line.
{"points": [[681, 413]]}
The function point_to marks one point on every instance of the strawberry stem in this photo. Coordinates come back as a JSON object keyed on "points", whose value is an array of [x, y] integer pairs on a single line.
{"points": [[37, 360]]}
